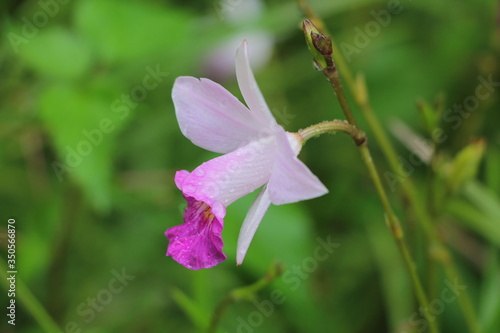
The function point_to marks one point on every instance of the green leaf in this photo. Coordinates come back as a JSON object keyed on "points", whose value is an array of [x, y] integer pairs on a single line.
{"points": [[429, 115], [483, 198], [125, 31], [489, 306], [195, 312], [83, 127], [492, 167], [480, 211], [465, 164], [57, 53]]}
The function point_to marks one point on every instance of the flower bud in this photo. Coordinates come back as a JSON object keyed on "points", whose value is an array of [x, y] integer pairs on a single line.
{"points": [[319, 44]]}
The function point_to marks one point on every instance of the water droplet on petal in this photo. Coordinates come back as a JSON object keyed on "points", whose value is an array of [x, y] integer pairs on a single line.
{"points": [[189, 189]]}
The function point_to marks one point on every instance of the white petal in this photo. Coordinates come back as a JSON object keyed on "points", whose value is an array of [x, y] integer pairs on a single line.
{"points": [[211, 117], [294, 141], [291, 180], [251, 223], [249, 88]]}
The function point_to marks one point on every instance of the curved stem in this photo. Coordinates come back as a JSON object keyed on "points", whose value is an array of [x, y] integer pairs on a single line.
{"points": [[243, 293], [332, 127]]}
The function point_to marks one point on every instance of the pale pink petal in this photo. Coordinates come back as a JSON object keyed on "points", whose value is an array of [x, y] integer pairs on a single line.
{"points": [[179, 177], [291, 180], [249, 88], [211, 117], [224, 179], [251, 223], [197, 243]]}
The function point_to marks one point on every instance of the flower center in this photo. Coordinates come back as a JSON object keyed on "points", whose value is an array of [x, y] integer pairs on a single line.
{"points": [[204, 212], [207, 215]]}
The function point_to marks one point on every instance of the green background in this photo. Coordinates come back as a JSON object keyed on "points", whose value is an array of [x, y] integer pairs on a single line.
{"points": [[67, 66]]}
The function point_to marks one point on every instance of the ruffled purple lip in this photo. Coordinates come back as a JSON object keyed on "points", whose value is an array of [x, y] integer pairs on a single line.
{"points": [[197, 243]]}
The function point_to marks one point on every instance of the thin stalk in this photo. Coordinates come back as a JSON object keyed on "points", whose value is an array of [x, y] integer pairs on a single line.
{"points": [[464, 302], [391, 218], [410, 192], [321, 48], [201, 290], [243, 293], [358, 90]]}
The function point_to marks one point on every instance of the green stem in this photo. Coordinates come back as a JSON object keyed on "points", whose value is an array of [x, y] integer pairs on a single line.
{"points": [[332, 75], [332, 127], [202, 290], [323, 55], [358, 90], [410, 192], [464, 300], [244, 293], [29, 301], [391, 218], [70, 213]]}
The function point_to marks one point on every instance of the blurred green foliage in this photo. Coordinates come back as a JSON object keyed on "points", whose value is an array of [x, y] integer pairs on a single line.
{"points": [[90, 145]]}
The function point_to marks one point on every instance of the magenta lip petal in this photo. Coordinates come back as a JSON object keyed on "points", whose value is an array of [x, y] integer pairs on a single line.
{"points": [[197, 243], [179, 178]]}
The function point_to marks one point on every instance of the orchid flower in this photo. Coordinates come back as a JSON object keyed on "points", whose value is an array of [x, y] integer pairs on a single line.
{"points": [[257, 153]]}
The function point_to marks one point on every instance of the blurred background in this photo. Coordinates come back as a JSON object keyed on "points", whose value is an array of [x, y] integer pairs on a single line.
{"points": [[90, 145]]}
